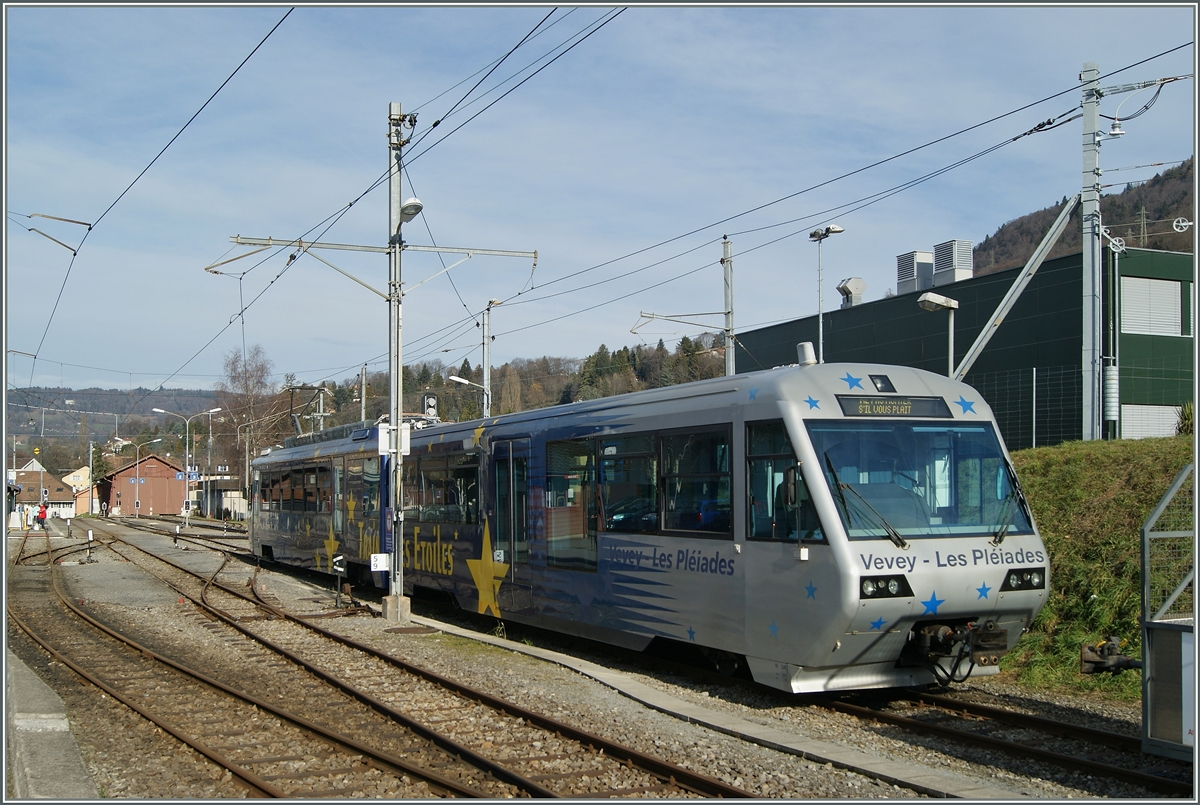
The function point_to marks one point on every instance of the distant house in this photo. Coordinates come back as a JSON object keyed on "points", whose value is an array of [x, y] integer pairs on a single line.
{"points": [[79, 479], [60, 497]]}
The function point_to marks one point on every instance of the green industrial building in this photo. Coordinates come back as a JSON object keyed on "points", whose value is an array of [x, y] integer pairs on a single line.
{"points": [[1031, 372]]}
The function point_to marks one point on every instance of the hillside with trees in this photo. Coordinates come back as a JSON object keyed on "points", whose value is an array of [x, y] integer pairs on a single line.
{"points": [[1141, 214]]}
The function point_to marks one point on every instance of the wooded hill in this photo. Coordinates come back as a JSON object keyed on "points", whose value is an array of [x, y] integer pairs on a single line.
{"points": [[1141, 214]]}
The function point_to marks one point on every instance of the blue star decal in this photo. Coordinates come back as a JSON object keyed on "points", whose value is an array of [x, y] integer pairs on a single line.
{"points": [[983, 591], [773, 629], [691, 634], [932, 604], [852, 381], [967, 405], [753, 394], [878, 625], [812, 403], [811, 590]]}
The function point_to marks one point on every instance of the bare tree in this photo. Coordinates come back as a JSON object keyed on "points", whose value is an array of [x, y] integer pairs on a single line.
{"points": [[251, 402]]}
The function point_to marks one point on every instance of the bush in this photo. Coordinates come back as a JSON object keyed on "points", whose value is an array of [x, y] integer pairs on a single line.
{"points": [[1184, 426], [1089, 501]]}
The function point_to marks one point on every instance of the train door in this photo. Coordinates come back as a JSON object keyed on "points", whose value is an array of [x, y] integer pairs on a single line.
{"points": [[510, 543]]}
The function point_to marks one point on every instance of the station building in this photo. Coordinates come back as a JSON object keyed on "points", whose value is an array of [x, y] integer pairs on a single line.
{"points": [[1031, 372], [148, 485]]}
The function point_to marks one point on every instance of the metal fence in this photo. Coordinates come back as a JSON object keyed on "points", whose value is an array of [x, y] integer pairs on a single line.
{"points": [[1034, 407], [1168, 622], [1168, 542]]}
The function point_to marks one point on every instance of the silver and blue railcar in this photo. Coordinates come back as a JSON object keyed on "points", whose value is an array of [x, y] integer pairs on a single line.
{"points": [[828, 527]]}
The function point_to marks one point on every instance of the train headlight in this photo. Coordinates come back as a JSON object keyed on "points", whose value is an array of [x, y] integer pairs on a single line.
{"points": [[1028, 578], [884, 587]]}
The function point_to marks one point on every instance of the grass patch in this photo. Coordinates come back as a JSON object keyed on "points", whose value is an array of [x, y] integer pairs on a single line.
{"points": [[1089, 501]]}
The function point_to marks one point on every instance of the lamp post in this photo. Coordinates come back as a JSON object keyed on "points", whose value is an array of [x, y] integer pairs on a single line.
{"points": [[187, 445], [398, 214], [487, 395], [137, 479], [819, 236], [935, 301]]}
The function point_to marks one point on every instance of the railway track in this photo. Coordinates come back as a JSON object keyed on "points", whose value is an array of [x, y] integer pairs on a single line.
{"points": [[272, 751], [1014, 737], [1072, 747], [537, 756]]}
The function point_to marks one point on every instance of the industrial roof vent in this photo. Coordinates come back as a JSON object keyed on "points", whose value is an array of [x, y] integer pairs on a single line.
{"points": [[952, 261], [851, 291], [914, 272]]}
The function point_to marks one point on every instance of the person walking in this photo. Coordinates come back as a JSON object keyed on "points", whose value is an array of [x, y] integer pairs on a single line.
{"points": [[41, 517]]}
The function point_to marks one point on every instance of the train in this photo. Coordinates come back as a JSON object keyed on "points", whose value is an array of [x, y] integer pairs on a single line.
{"points": [[820, 527]]}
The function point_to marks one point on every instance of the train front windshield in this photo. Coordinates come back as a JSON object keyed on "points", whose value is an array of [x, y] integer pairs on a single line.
{"points": [[901, 480]]}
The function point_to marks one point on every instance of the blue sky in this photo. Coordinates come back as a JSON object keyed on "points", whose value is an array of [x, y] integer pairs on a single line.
{"points": [[662, 123]]}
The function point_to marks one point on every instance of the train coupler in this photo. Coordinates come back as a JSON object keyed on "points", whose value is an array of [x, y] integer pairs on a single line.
{"points": [[985, 643], [1105, 658]]}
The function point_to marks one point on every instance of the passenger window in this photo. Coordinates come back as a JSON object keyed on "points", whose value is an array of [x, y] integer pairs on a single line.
{"points": [[696, 482], [629, 484], [779, 504], [570, 505]]}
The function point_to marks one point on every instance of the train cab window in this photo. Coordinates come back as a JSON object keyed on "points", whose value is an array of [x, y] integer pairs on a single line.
{"points": [[570, 504], [919, 479], [629, 483], [697, 482], [779, 504]]}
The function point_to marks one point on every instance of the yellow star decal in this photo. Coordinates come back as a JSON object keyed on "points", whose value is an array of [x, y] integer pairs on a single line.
{"points": [[350, 510], [488, 575], [478, 434], [331, 546]]}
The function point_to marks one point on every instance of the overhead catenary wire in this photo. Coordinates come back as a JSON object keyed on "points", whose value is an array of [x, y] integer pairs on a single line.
{"points": [[243, 310], [93, 225]]}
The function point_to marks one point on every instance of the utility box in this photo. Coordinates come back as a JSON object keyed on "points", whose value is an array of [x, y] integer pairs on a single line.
{"points": [[1168, 624]]}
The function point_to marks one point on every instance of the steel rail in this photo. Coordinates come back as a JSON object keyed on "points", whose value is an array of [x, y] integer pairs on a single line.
{"points": [[469, 756], [1162, 784], [300, 721], [676, 775]]}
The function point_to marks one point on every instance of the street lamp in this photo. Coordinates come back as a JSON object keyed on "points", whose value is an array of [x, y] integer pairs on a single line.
{"points": [[137, 479], [935, 301], [487, 395], [819, 236], [396, 608], [187, 445]]}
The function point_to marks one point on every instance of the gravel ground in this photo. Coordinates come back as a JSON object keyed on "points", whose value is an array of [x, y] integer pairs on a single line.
{"points": [[131, 758]]}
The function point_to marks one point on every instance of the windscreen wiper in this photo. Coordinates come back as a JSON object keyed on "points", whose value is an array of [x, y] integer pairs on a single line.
{"points": [[888, 528], [1010, 509], [837, 485]]}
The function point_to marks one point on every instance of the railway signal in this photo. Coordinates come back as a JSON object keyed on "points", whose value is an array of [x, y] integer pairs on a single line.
{"points": [[339, 567]]}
